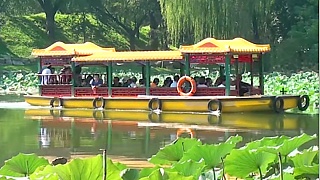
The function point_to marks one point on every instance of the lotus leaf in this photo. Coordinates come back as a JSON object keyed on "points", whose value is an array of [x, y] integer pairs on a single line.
{"points": [[13, 178], [130, 174], [241, 162], [89, 168], [173, 152], [286, 176], [189, 168], [303, 162], [145, 172], [289, 145], [22, 165], [211, 154], [177, 176], [157, 174]]}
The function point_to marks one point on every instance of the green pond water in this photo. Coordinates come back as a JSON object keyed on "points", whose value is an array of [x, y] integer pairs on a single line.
{"points": [[48, 135]]}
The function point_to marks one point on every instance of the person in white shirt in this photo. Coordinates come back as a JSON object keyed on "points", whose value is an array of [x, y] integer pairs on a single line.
{"points": [[45, 75], [175, 81]]}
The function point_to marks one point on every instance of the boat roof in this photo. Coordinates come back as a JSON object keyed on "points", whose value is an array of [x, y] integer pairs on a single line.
{"points": [[236, 45], [62, 49], [128, 56]]}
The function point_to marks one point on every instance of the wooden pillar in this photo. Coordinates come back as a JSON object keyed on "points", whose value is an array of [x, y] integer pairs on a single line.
{"points": [[39, 77], [109, 76], [187, 65], [261, 75], [237, 75], [182, 73], [73, 78], [148, 68], [227, 69]]}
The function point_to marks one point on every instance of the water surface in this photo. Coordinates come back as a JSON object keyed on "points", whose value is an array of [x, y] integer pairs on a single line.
{"points": [[67, 133]]}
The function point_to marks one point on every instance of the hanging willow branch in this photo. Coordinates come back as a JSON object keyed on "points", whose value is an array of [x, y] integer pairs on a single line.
{"points": [[194, 20]]}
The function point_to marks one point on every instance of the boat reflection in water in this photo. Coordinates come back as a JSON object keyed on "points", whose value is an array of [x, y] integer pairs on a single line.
{"points": [[141, 134]]}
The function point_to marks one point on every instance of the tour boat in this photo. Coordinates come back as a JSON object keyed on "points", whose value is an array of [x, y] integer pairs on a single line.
{"points": [[230, 55]]}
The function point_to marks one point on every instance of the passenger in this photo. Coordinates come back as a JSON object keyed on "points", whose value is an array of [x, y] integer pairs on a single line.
{"points": [[65, 75], [88, 79], [220, 81], [202, 82], [141, 83], [155, 83], [96, 81], [244, 87], [126, 81], [116, 82], [53, 78], [133, 82], [209, 82], [46, 72], [175, 81], [84, 83], [197, 79]]}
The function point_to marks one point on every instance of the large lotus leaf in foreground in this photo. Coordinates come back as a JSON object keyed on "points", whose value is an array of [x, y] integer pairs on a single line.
{"points": [[289, 145], [303, 162], [22, 165], [211, 154], [89, 168], [241, 162], [158, 173], [173, 152]]}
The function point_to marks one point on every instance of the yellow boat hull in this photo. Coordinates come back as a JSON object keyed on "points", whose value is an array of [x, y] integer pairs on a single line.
{"points": [[171, 104], [244, 121]]}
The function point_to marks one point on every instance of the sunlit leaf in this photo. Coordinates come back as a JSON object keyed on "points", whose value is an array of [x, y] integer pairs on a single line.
{"points": [[286, 176], [303, 162], [88, 168], [177, 176], [173, 152], [241, 162], [157, 174], [211, 154], [290, 145], [189, 168], [145, 172], [22, 165]]}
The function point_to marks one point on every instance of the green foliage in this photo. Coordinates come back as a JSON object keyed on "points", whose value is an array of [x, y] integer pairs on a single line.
{"points": [[19, 35], [22, 165], [89, 168], [248, 162]]}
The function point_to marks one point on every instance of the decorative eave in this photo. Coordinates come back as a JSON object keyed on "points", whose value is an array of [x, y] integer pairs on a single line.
{"points": [[237, 45], [62, 49], [132, 56]]}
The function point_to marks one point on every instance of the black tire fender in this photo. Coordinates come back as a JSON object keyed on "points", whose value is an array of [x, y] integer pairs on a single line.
{"points": [[214, 102], [152, 101], [278, 104], [303, 102], [95, 100]]}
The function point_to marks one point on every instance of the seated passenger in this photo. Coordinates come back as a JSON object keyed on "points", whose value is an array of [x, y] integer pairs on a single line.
{"points": [[209, 82], [45, 75], [220, 81], [243, 86], [167, 82], [202, 82], [133, 82], [175, 81], [154, 83], [126, 81], [96, 81], [116, 82], [141, 83], [65, 75]]}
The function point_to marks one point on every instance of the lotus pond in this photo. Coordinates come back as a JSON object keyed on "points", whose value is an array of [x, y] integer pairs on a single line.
{"points": [[187, 158]]}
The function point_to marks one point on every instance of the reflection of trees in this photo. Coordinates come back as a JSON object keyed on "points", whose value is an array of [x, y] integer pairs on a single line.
{"points": [[16, 134]]}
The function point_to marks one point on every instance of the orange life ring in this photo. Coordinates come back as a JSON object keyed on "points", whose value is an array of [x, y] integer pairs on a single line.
{"points": [[193, 83], [185, 130]]}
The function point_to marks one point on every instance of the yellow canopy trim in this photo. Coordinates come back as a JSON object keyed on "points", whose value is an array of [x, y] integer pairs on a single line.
{"points": [[132, 56], [62, 49], [237, 45]]}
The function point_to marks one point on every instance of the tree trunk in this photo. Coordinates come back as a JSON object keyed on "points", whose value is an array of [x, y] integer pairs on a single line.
{"points": [[132, 41], [154, 41], [50, 24]]}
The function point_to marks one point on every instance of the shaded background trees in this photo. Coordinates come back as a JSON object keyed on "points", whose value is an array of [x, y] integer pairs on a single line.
{"points": [[290, 26]]}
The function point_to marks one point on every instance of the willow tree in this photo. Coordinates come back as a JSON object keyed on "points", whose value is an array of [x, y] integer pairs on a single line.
{"points": [[189, 21]]}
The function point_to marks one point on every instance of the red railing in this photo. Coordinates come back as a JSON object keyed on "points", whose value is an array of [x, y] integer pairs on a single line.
{"points": [[87, 91], [126, 91], [56, 90]]}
